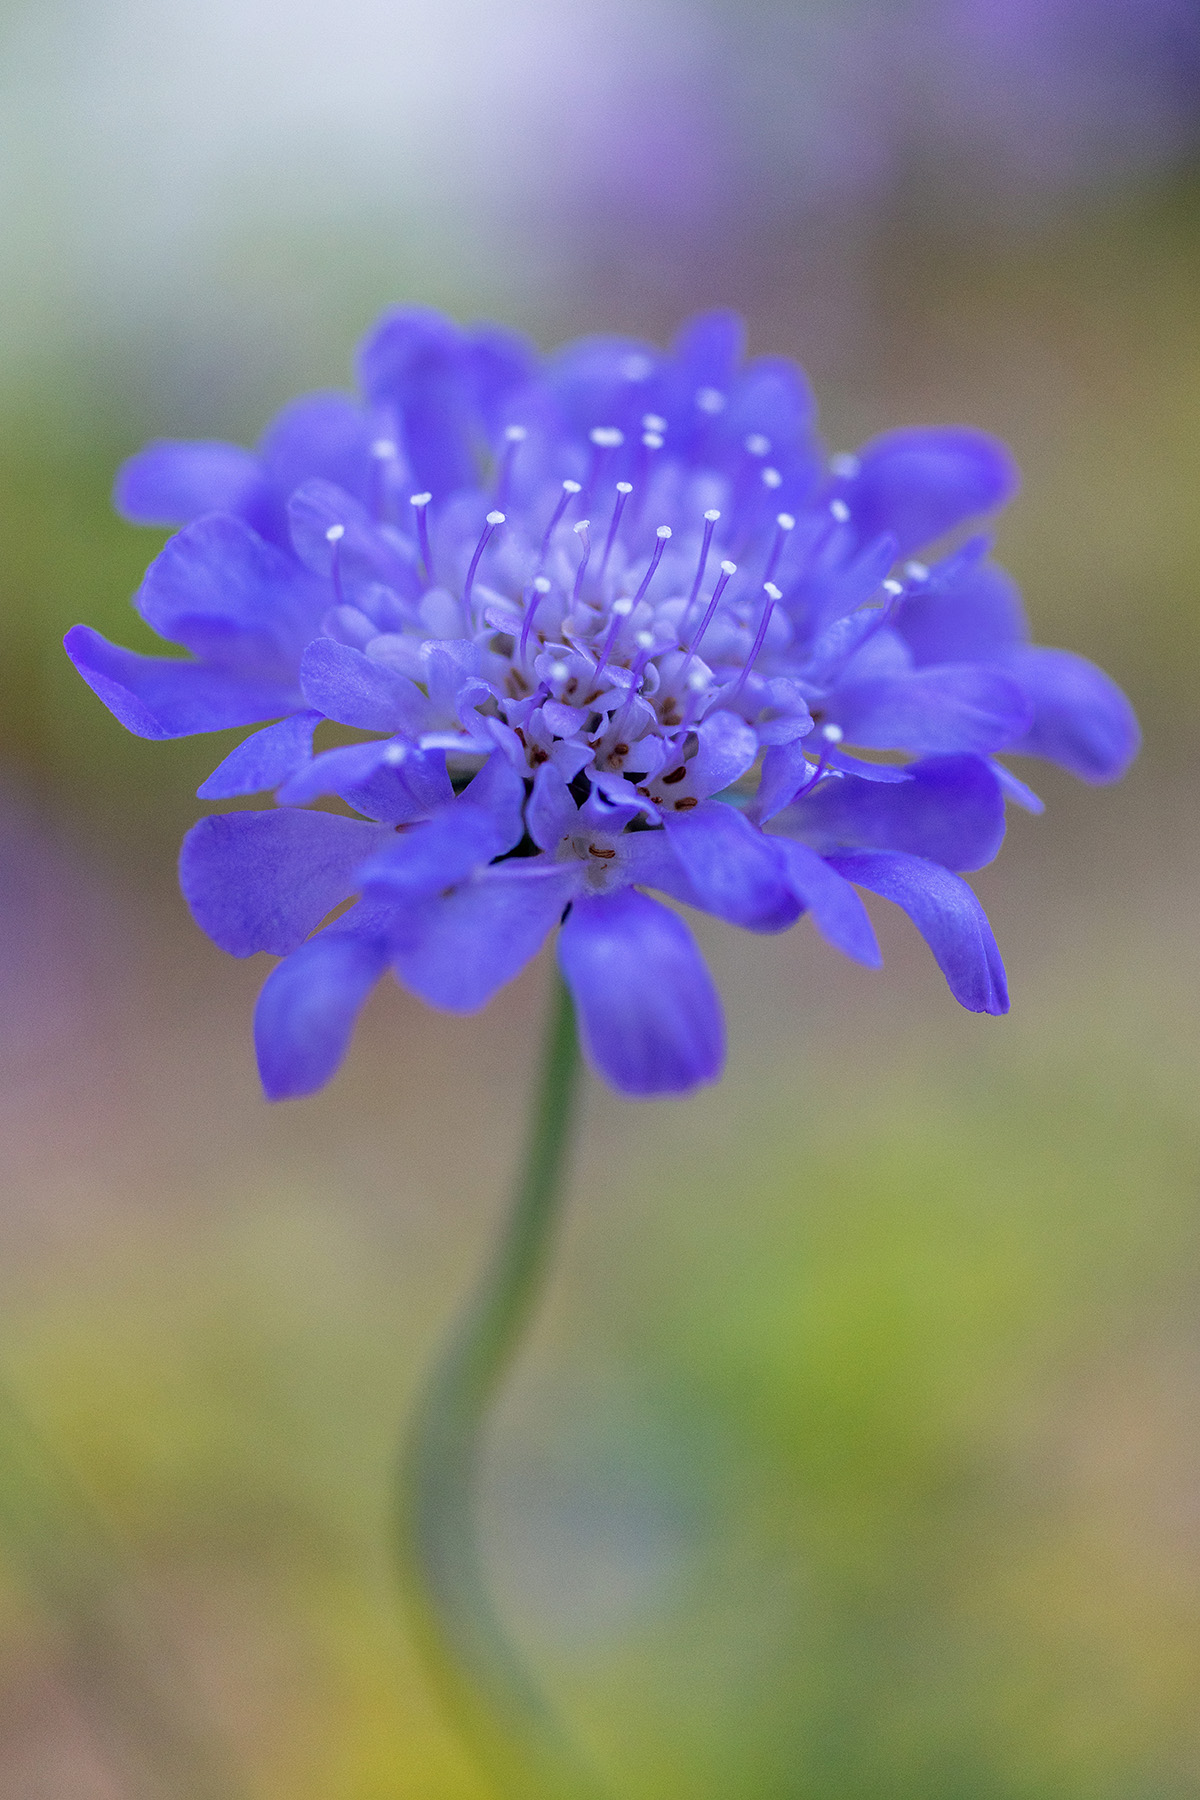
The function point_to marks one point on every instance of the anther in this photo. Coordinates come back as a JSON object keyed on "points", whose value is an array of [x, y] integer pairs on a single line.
{"points": [[833, 734], [492, 521], [541, 587], [840, 511], [771, 478], [384, 450], [644, 640], [559, 671], [653, 440], [333, 538], [569, 491], [917, 571], [785, 524], [710, 525], [844, 466], [420, 505], [893, 587], [663, 537], [653, 422], [773, 594], [582, 531], [335, 534], [710, 400], [728, 570], [606, 437], [757, 444], [624, 489]]}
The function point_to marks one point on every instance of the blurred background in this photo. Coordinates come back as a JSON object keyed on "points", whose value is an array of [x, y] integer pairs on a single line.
{"points": [[857, 1452]]}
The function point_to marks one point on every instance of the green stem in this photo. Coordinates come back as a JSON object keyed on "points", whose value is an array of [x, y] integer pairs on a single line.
{"points": [[125, 1674], [481, 1678]]}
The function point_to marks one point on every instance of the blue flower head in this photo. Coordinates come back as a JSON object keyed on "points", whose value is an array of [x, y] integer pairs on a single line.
{"points": [[605, 623]]}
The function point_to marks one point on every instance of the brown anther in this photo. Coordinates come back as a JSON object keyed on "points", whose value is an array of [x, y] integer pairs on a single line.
{"points": [[620, 750], [687, 803], [595, 850], [537, 756], [675, 775]]}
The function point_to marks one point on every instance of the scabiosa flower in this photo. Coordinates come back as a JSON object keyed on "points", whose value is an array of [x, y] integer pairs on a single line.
{"points": [[614, 623]]}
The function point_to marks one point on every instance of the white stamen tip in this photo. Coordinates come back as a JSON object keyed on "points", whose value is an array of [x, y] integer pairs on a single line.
{"points": [[624, 487], [653, 422], [606, 437], [572, 487], [419, 499], [664, 532], [541, 584], [757, 444], [697, 681], [559, 671], [771, 591], [495, 518], [622, 608], [785, 521], [581, 525], [893, 587], [772, 478], [395, 753], [652, 440], [917, 571], [710, 400], [833, 734], [515, 434], [383, 449], [839, 510], [644, 640], [729, 568], [335, 534], [845, 467], [712, 515]]}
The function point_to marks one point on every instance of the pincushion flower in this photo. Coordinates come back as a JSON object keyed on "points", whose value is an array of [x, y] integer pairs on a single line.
{"points": [[614, 626]]}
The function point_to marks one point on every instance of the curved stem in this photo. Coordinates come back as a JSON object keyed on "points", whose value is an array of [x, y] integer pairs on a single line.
{"points": [[480, 1676]]}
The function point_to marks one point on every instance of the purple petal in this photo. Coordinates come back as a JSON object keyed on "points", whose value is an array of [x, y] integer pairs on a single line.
{"points": [[264, 880], [735, 871], [420, 364], [401, 792], [357, 690], [1016, 790], [158, 697], [551, 813], [350, 765], [499, 790], [434, 855], [785, 768], [307, 1010], [1081, 718], [218, 574], [974, 619], [649, 1015], [709, 347], [173, 481], [948, 916], [264, 760], [837, 911], [950, 811], [955, 706], [461, 948], [922, 482], [323, 434]]}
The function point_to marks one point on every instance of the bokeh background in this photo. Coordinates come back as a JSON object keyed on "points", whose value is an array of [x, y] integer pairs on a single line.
{"points": [[857, 1452]]}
